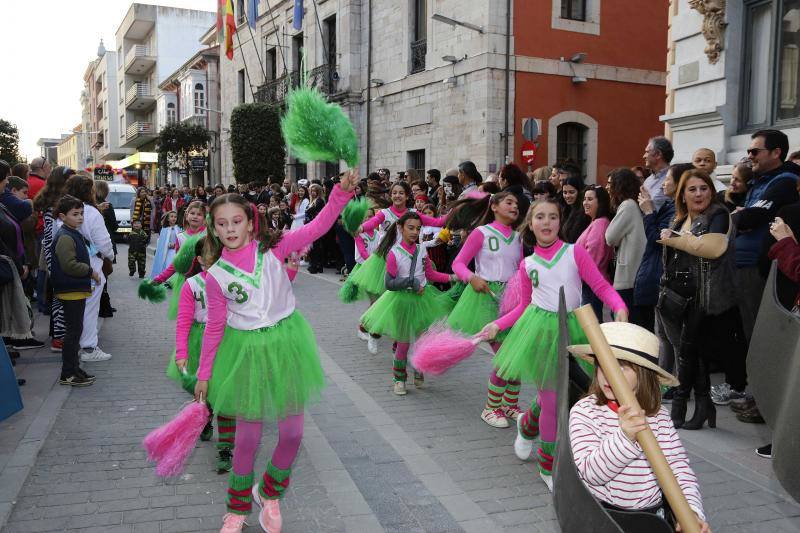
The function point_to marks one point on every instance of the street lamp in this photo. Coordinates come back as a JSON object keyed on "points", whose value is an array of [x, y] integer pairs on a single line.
{"points": [[453, 22]]}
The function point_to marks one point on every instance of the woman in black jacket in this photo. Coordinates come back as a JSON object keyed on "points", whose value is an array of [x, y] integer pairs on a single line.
{"points": [[512, 179], [698, 296]]}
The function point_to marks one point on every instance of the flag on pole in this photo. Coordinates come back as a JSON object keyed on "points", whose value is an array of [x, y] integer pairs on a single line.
{"points": [[252, 13], [297, 23], [230, 28], [220, 21]]}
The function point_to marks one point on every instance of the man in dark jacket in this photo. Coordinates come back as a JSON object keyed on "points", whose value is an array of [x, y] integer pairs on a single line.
{"points": [[774, 186]]}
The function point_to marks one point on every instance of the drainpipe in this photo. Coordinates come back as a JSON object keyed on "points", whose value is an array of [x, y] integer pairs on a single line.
{"points": [[369, 84], [508, 78]]}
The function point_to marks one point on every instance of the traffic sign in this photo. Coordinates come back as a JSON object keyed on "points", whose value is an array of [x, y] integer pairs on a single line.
{"points": [[528, 152]]}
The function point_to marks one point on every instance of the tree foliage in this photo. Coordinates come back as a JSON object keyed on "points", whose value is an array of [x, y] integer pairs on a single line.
{"points": [[256, 143], [176, 140], [9, 142]]}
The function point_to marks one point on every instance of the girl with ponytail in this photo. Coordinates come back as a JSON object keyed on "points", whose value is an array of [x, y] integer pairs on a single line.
{"points": [[496, 249], [410, 305]]}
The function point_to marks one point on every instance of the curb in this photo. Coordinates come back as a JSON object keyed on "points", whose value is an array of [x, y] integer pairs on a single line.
{"points": [[16, 471]]}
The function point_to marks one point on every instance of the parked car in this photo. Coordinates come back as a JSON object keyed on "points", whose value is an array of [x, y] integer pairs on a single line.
{"points": [[120, 196]]}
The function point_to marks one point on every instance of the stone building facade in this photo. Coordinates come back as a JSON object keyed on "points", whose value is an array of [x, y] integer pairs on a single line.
{"points": [[734, 68]]}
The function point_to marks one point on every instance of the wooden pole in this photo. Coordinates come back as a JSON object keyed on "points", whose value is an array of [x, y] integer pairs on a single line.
{"points": [[625, 396]]}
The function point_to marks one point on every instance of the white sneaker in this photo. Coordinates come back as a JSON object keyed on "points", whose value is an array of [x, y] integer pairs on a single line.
{"points": [[548, 480], [523, 447], [400, 388], [363, 335], [495, 418], [95, 354], [372, 344]]}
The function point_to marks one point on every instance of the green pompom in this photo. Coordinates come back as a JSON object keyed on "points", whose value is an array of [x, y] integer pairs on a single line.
{"points": [[349, 292], [184, 258], [354, 213], [152, 292], [315, 130]]}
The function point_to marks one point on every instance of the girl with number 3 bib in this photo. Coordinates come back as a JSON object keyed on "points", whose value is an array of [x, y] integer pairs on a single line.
{"points": [[530, 351], [265, 366]]}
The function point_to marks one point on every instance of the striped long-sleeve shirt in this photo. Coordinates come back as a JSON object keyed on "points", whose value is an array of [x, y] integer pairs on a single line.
{"points": [[615, 469]]}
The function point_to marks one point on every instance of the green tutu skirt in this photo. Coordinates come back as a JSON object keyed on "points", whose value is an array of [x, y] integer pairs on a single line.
{"points": [[404, 315], [267, 373], [195, 345], [476, 309], [365, 281], [530, 350]]}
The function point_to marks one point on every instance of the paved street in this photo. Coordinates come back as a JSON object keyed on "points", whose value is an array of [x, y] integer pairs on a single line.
{"points": [[370, 461]]}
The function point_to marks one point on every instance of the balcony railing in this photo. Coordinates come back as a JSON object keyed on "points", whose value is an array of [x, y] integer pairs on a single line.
{"points": [[139, 129], [139, 59], [274, 91], [137, 91], [418, 51]]}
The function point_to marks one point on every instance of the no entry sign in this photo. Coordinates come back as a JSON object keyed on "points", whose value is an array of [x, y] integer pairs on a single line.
{"points": [[528, 152]]}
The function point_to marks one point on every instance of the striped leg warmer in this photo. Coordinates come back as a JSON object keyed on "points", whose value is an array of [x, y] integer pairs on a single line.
{"points": [[529, 427], [240, 497], [226, 427], [274, 482], [545, 456]]}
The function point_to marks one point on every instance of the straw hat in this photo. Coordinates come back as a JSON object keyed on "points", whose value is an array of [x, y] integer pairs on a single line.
{"points": [[631, 343]]}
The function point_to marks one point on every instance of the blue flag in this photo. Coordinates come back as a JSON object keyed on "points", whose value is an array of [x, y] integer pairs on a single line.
{"points": [[252, 13], [298, 15]]}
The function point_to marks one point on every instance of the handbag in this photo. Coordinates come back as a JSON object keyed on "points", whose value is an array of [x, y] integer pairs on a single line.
{"points": [[671, 304]]}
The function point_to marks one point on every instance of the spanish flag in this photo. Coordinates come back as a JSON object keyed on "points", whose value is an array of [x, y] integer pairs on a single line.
{"points": [[230, 28]]}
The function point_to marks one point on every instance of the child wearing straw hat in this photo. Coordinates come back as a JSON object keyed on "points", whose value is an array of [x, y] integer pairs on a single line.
{"points": [[603, 433]]}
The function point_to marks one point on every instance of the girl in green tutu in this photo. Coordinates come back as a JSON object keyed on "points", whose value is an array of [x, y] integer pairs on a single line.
{"points": [[265, 366], [410, 305], [367, 283], [366, 243], [496, 249], [530, 351], [182, 368]]}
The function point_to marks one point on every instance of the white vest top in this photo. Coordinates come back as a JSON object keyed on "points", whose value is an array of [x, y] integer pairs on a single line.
{"points": [[389, 219], [404, 263], [370, 243], [182, 236], [547, 278], [430, 233], [198, 287], [499, 256], [255, 300]]}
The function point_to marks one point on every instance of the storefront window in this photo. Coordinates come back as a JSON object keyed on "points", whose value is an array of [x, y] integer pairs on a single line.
{"points": [[788, 106]]}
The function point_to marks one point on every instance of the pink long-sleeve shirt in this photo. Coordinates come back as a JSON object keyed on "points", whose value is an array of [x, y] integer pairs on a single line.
{"points": [[170, 270], [593, 240], [430, 273], [185, 319], [587, 271], [471, 248], [379, 217], [244, 259], [615, 469], [361, 246]]}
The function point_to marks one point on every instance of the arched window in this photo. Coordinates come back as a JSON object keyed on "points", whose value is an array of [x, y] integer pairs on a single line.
{"points": [[571, 144], [172, 116], [199, 99]]}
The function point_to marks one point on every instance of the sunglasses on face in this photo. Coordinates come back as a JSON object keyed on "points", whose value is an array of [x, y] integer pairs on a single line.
{"points": [[754, 151]]}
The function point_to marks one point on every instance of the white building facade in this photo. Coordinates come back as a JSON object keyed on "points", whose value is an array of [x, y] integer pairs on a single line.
{"points": [[151, 43], [734, 68], [421, 93], [100, 105]]}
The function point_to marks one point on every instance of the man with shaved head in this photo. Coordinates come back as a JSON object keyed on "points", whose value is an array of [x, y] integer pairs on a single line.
{"points": [[40, 169]]}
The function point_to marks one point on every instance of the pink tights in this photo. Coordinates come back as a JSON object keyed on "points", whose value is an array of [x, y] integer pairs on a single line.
{"points": [[248, 438], [548, 417]]}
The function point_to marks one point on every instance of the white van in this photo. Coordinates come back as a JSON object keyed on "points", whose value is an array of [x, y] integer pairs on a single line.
{"points": [[120, 196]]}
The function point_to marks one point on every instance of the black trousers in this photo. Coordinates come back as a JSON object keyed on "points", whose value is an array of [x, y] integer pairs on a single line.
{"points": [[73, 319]]}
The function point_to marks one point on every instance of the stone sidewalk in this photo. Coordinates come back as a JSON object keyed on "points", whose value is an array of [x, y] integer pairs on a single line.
{"points": [[370, 461]]}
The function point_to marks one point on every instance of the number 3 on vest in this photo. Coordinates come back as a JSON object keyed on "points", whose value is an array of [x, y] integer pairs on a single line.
{"points": [[238, 290]]}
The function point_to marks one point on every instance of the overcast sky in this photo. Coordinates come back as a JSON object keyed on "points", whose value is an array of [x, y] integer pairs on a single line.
{"points": [[46, 47]]}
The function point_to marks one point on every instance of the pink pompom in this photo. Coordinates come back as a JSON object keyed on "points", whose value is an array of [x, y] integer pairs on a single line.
{"points": [[440, 348], [170, 445], [512, 295]]}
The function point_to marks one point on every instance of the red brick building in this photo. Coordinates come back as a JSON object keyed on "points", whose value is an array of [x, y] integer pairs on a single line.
{"points": [[592, 72]]}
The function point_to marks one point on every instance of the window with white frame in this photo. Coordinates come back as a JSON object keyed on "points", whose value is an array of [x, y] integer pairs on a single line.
{"points": [[771, 73], [199, 99], [579, 16], [172, 113]]}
